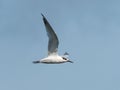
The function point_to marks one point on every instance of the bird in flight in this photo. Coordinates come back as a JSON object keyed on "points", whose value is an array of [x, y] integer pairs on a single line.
{"points": [[53, 57]]}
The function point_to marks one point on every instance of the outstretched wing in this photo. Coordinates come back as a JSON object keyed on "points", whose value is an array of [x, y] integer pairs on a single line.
{"points": [[53, 39]]}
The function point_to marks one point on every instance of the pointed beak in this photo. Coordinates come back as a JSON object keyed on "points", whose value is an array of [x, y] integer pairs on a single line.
{"points": [[70, 61]]}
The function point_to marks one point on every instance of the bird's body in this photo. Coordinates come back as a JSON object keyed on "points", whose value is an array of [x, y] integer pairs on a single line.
{"points": [[53, 57]]}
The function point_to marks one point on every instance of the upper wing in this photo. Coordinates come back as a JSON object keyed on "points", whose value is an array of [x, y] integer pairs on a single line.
{"points": [[66, 55], [53, 39]]}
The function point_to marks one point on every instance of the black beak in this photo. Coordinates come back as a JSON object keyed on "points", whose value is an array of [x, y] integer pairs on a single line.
{"points": [[70, 61]]}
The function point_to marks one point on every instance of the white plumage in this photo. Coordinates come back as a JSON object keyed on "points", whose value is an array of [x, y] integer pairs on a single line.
{"points": [[53, 57]]}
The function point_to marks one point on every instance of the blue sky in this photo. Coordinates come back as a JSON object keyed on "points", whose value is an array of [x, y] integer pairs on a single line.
{"points": [[89, 30]]}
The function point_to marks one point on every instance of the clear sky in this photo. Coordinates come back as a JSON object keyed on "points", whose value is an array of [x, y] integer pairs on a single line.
{"points": [[89, 30]]}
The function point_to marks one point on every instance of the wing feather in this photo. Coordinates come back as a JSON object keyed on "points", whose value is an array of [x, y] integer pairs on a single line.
{"points": [[53, 39]]}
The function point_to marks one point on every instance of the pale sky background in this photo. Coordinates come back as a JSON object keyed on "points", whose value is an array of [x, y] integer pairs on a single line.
{"points": [[89, 30]]}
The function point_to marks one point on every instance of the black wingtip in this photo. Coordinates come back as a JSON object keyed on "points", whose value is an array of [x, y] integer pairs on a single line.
{"points": [[42, 15], [66, 53], [44, 19]]}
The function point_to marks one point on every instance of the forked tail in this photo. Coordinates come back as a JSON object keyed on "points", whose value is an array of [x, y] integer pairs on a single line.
{"points": [[35, 62]]}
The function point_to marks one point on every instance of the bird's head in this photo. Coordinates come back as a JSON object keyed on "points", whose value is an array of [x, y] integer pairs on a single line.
{"points": [[67, 60]]}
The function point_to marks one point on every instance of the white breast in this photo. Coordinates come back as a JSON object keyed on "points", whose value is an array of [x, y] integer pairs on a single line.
{"points": [[53, 59]]}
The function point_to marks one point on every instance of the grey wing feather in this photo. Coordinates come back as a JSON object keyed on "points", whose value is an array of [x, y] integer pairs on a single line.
{"points": [[53, 39]]}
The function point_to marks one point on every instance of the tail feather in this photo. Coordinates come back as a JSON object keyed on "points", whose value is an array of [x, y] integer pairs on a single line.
{"points": [[35, 62]]}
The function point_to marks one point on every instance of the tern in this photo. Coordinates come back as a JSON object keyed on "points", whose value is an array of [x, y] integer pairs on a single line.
{"points": [[53, 57]]}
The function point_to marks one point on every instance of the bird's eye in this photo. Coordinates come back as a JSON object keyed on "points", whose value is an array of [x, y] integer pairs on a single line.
{"points": [[64, 58]]}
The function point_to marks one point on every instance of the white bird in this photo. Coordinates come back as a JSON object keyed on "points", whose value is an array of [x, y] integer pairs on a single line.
{"points": [[53, 57]]}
